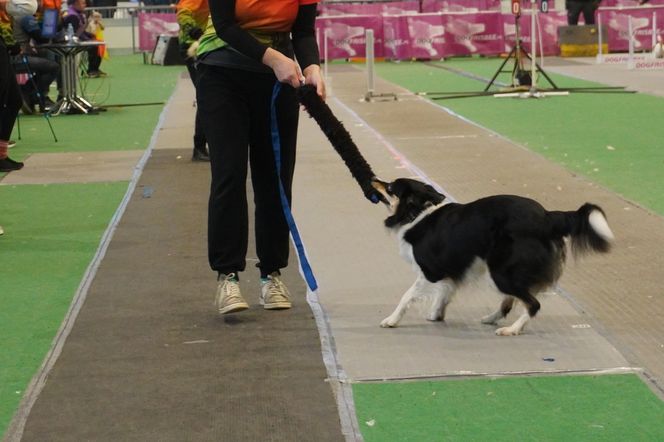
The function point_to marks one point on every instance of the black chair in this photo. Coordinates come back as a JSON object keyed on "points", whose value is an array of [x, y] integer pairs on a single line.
{"points": [[21, 66]]}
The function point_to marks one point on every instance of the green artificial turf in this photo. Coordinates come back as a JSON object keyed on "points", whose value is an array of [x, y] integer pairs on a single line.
{"points": [[135, 94], [612, 139], [51, 235], [53, 231], [560, 408]]}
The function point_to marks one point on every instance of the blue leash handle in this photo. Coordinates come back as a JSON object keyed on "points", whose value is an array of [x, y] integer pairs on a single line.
{"points": [[307, 272]]}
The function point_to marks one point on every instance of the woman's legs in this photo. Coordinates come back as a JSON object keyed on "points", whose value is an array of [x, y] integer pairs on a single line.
{"points": [[200, 150], [226, 120]]}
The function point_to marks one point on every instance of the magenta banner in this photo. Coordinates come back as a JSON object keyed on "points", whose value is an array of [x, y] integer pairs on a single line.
{"points": [[153, 24], [333, 8], [344, 36], [616, 22], [426, 36], [396, 40], [629, 3], [401, 33], [479, 33], [460, 5], [435, 36]]}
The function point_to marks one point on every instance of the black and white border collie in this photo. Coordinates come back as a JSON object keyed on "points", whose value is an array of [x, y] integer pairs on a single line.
{"points": [[519, 243]]}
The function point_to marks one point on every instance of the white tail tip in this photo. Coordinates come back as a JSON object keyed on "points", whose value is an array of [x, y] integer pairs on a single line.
{"points": [[600, 225]]}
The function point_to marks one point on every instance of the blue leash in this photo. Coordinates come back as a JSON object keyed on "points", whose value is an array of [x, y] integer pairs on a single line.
{"points": [[276, 148]]}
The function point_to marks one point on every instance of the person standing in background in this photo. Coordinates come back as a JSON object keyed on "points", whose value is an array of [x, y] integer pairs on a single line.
{"points": [[10, 94], [577, 7], [192, 16]]}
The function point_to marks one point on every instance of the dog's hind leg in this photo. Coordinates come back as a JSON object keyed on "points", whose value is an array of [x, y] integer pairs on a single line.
{"points": [[445, 289], [509, 276], [420, 286], [531, 307], [505, 308]]}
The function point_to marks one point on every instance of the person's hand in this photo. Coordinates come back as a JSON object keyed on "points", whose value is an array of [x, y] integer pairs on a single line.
{"points": [[313, 77], [195, 33], [285, 69]]}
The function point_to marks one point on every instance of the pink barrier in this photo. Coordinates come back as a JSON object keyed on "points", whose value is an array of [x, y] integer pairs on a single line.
{"points": [[479, 33], [345, 35], [616, 22], [628, 3], [425, 35], [152, 24], [334, 9], [407, 34], [460, 5], [413, 36]]}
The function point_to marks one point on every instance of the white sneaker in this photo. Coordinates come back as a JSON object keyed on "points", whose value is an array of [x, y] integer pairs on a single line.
{"points": [[274, 294], [229, 299]]}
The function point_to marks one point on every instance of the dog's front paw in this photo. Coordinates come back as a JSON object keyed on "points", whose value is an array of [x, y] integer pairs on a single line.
{"points": [[388, 322], [507, 331]]}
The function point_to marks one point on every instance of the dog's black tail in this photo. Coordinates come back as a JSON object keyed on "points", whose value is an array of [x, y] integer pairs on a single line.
{"points": [[587, 227], [340, 139]]}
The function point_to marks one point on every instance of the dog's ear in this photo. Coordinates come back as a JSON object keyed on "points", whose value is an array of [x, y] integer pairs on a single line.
{"points": [[433, 196]]}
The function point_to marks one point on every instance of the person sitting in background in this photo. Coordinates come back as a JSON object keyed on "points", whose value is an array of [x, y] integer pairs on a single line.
{"points": [[96, 27], [39, 63], [75, 17], [10, 96], [577, 7]]}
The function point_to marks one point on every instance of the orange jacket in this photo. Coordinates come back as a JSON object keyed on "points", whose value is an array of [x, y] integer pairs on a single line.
{"points": [[52, 4]]}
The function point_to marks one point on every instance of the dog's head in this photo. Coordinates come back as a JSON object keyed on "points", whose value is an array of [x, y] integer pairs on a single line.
{"points": [[406, 199]]}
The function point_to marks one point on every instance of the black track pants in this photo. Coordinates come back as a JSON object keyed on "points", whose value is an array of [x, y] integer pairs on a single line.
{"points": [[234, 107]]}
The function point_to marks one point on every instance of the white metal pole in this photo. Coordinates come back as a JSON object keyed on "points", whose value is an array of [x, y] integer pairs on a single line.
{"points": [[654, 33], [326, 35], [533, 45], [600, 54], [630, 58], [370, 61]]}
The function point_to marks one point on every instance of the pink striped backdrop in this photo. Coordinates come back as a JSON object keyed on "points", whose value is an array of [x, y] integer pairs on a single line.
{"points": [[445, 28]]}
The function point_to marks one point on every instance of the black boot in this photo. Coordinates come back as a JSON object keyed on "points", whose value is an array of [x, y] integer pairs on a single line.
{"points": [[7, 165]]}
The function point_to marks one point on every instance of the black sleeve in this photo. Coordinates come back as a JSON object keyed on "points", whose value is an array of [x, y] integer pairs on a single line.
{"points": [[223, 18], [304, 36]]}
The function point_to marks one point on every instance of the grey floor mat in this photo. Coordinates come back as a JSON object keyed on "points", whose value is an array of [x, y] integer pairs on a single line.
{"points": [[362, 278], [149, 358]]}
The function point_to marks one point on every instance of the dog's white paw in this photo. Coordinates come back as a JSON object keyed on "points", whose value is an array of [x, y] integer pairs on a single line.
{"points": [[388, 322], [506, 331]]}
